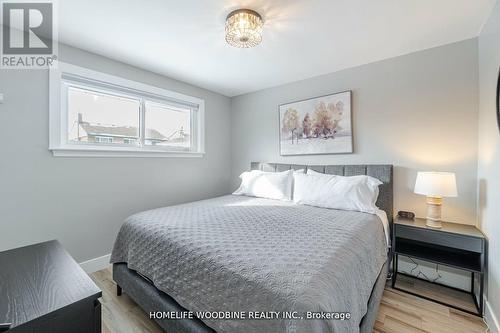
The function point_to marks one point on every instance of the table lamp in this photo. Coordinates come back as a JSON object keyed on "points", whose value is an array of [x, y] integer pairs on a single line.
{"points": [[435, 185]]}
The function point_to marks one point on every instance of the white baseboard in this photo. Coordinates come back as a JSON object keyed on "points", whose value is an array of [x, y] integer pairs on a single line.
{"points": [[96, 264], [491, 318]]}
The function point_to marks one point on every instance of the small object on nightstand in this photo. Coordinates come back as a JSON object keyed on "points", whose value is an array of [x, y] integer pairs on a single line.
{"points": [[406, 215], [435, 185], [454, 245]]}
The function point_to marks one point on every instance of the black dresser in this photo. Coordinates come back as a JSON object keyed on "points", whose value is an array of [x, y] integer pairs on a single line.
{"points": [[42, 290]]}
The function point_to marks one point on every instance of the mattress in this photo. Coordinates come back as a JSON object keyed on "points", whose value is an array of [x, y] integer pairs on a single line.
{"points": [[273, 259]]}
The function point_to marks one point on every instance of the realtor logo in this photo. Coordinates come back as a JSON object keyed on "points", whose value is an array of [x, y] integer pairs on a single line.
{"points": [[27, 35]]}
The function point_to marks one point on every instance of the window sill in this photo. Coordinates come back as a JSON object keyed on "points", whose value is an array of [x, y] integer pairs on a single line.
{"points": [[119, 152]]}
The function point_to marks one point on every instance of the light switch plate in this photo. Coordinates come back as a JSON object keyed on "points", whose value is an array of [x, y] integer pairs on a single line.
{"points": [[1, 98]]}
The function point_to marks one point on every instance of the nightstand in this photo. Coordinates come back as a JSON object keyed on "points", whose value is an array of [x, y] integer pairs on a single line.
{"points": [[454, 245], [45, 291]]}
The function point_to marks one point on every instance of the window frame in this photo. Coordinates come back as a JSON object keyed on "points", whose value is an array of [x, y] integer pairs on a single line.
{"points": [[67, 75]]}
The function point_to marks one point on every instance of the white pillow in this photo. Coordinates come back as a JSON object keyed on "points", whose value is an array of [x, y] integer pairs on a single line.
{"points": [[358, 193], [269, 185], [312, 172]]}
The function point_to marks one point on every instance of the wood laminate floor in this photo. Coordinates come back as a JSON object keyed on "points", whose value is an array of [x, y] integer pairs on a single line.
{"points": [[399, 312]]}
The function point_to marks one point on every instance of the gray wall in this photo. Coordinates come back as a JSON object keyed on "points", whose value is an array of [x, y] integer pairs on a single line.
{"points": [[489, 153], [83, 201], [418, 112]]}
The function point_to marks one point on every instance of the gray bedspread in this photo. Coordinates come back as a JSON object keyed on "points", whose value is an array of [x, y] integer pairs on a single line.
{"points": [[238, 253]]}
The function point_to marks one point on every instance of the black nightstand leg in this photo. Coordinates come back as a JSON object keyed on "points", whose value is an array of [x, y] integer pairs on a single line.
{"points": [[118, 290], [481, 290], [394, 268], [472, 283]]}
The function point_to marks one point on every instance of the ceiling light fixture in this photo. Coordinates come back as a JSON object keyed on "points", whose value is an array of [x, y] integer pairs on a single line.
{"points": [[244, 28]]}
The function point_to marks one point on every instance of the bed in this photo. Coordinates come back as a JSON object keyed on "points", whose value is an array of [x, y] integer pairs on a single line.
{"points": [[236, 255]]}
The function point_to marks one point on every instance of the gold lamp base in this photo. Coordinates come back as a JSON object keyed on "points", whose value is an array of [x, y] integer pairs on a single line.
{"points": [[434, 212]]}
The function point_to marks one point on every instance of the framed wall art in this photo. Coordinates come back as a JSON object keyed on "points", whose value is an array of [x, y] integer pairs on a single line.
{"points": [[319, 125]]}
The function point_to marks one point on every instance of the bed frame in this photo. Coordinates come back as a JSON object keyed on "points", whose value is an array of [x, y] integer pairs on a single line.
{"points": [[150, 299]]}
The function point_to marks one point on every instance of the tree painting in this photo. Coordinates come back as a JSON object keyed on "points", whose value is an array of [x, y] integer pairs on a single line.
{"points": [[290, 122], [323, 123], [307, 126], [326, 120]]}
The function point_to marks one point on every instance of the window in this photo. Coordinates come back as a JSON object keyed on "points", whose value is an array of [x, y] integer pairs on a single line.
{"points": [[167, 126], [129, 141], [95, 114], [97, 117], [102, 139]]}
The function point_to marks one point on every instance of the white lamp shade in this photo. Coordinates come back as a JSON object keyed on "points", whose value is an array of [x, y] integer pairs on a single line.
{"points": [[436, 184]]}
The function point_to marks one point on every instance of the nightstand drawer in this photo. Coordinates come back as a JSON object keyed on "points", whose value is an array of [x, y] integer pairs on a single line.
{"points": [[440, 238]]}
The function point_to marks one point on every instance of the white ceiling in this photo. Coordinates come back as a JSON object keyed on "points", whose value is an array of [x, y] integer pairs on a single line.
{"points": [[184, 39]]}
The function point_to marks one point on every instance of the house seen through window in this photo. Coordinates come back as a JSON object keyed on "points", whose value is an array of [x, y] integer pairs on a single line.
{"points": [[102, 118]]}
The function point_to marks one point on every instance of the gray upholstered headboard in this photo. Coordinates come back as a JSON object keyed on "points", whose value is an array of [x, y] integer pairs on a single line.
{"points": [[383, 172]]}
